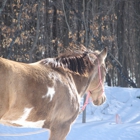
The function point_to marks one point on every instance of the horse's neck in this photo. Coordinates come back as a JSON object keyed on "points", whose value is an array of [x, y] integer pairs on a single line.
{"points": [[81, 83]]}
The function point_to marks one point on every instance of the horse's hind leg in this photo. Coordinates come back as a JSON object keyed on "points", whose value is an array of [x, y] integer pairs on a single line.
{"points": [[59, 132]]}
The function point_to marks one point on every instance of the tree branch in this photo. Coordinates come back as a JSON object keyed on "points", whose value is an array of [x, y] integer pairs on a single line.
{"points": [[66, 16], [37, 32], [17, 33], [3, 5]]}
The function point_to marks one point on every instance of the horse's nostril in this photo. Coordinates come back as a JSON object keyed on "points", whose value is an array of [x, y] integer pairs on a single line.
{"points": [[103, 99]]}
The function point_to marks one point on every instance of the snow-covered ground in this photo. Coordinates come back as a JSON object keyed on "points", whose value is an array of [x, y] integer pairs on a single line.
{"points": [[117, 119]]}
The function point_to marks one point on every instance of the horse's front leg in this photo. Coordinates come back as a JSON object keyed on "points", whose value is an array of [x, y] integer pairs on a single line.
{"points": [[59, 131]]}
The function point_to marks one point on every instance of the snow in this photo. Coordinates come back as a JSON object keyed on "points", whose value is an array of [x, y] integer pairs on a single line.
{"points": [[117, 119]]}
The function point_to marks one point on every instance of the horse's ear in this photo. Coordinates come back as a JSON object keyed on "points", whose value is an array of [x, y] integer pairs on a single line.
{"points": [[103, 54]]}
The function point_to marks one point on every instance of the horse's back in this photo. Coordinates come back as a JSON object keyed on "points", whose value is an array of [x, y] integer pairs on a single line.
{"points": [[21, 86]]}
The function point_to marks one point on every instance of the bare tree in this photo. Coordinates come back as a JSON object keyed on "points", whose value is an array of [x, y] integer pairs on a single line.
{"points": [[32, 30]]}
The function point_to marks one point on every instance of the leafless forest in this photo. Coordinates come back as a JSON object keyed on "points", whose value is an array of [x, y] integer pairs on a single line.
{"points": [[34, 29]]}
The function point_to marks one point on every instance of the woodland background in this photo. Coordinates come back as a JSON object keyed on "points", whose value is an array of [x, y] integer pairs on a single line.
{"points": [[31, 30]]}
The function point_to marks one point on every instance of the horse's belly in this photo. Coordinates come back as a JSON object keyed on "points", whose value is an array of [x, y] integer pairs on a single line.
{"points": [[22, 120]]}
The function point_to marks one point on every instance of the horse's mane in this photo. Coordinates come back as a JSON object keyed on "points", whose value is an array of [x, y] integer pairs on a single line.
{"points": [[76, 62]]}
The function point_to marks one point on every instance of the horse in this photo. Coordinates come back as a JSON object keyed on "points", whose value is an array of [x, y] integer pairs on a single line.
{"points": [[46, 94]]}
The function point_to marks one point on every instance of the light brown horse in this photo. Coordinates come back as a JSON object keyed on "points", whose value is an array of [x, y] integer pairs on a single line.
{"points": [[46, 94]]}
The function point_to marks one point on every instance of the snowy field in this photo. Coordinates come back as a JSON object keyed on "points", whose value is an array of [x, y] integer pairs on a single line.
{"points": [[117, 119]]}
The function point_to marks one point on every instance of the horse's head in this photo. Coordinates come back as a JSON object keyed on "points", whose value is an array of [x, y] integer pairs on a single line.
{"points": [[96, 86]]}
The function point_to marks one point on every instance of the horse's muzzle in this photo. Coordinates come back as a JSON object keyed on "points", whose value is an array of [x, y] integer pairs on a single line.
{"points": [[100, 100]]}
